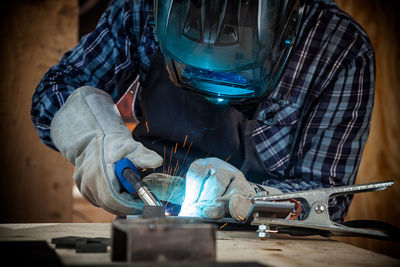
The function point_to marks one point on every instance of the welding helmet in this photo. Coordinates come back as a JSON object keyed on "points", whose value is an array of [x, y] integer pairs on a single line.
{"points": [[227, 49]]}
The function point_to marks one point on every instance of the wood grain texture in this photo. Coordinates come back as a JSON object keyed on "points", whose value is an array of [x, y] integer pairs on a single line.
{"points": [[232, 246], [381, 157], [36, 183]]}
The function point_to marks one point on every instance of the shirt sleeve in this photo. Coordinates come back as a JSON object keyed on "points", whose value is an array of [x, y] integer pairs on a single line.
{"points": [[105, 59], [335, 132]]}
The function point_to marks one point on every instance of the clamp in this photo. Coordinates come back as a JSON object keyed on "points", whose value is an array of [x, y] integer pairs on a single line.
{"points": [[317, 220]]}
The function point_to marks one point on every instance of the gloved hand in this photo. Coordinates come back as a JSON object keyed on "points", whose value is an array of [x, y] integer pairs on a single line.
{"points": [[89, 132], [215, 188]]}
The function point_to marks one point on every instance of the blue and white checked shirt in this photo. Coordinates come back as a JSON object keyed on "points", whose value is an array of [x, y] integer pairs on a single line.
{"points": [[311, 130]]}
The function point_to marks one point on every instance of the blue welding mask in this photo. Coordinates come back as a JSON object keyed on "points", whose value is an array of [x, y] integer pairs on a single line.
{"points": [[227, 50]]}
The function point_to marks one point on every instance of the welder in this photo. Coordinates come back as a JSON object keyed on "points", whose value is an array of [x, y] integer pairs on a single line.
{"points": [[244, 95]]}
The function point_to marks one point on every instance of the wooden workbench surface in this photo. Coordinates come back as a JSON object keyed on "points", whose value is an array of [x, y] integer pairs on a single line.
{"points": [[281, 250]]}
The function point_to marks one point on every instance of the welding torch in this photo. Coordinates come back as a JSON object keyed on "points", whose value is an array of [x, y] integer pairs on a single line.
{"points": [[129, 177]]}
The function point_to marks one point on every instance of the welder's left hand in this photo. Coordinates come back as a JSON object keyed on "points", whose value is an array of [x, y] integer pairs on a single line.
{"points": [[210, 185]]}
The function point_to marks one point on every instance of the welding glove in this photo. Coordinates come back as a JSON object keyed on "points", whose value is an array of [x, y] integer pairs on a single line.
{"points": [[89, 132], [214, 188]]}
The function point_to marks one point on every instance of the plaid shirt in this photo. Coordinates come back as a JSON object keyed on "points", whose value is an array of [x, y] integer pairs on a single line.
{"points": [[311, 129]]}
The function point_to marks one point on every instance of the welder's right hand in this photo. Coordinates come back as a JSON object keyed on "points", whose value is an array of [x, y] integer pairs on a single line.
{"points": [[89, 132], [215, 188]]}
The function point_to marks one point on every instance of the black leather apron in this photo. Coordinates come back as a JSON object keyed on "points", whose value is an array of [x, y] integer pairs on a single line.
{"points": [[174, 120]]}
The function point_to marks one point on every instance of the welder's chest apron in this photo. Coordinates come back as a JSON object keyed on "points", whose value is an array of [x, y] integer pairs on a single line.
{"points": [[182, 126]]}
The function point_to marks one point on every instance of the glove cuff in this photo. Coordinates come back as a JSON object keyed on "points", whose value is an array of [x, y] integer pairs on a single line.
{"points": [[87, 113]]}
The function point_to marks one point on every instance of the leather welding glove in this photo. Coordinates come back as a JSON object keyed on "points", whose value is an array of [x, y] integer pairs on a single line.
{"points": [[89, 132], [211, 184]]}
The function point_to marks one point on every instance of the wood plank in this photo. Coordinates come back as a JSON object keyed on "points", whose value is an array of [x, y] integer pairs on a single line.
{"points": [[36, 183], [236, 246]]}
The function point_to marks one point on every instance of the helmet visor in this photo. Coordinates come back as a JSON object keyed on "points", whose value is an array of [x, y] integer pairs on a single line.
{"points": [[227, 48]]}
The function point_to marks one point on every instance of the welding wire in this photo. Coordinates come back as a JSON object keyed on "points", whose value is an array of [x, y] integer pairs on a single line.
{"points": [[147, 127], [225, 224], [228, 158], [185, 141]]}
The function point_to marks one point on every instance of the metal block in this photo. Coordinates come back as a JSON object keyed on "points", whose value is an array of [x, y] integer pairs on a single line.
{"points": [[162, 240], [153, 212]]}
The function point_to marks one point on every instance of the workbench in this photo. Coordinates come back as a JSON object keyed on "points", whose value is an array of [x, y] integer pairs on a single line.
{"points": [[232, 246]]}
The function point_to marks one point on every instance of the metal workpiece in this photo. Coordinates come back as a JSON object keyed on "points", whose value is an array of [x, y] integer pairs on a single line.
{"points": [[153, 212], [317, 215], [162, 240]]}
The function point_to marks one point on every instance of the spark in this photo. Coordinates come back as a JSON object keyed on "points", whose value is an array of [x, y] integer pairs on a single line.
{"points": [[173, 188], [147, 127], [171, 185], [228, 158], [170, 159], [225, 224], [176, 146], [176, 167], [182, 169], [184, 143]]}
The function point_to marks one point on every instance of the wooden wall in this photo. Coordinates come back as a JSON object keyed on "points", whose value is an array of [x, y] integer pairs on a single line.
{"points": [[35, 184], [381, 158]]}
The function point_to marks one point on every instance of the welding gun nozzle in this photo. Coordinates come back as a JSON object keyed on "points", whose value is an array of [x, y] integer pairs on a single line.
{"points": [[141, 188]]}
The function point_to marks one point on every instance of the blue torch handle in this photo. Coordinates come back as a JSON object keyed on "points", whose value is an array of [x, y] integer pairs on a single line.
{"points": [[120, 166]]}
